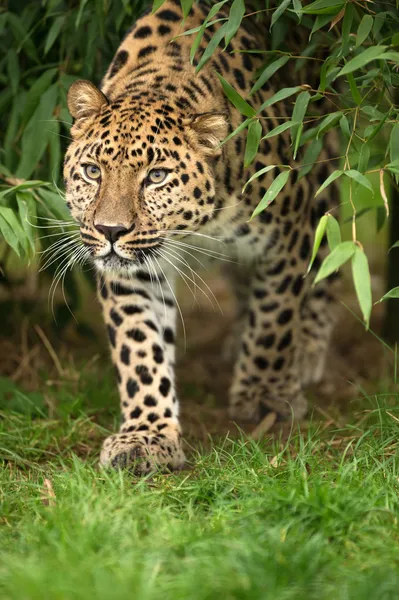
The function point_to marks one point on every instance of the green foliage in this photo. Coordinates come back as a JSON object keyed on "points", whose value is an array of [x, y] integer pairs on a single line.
{"points": [[45, 46]]}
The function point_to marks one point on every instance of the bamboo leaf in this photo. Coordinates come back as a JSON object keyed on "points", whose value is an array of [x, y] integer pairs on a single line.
{"points": [[279, 11], [8, 234], [272, 192], [214, 10], [35, 93], [300, 107], [393, 167], [354, 90], [55, 204], [298, 9], [364, 29], [186, 7], [323, 7], [394, 143], [236, 14], [268, 72], [277, 130], [338, 257], [344, 125], [362, 59], [27, 214], [393, 293], [258, 174], [82, 5], [311, 155], [360, 179], [211, 47], [253, 140], [328, 122], [281, 95], [235, 98], [334, 175], [36, 135], [8, 215], [364, 158], [298, 115], [54, 32], [155, 5], [13, 70], [391, 55], [375, 130], [333, 233], [318, 236], [362, 281], [26, 185], [297, 140], [236, 131]]}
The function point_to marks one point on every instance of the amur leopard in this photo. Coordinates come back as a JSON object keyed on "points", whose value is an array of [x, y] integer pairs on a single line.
{"points": [[149, 183]]}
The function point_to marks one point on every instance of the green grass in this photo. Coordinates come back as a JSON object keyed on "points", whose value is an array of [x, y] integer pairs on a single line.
{"points": [[313, 518]]}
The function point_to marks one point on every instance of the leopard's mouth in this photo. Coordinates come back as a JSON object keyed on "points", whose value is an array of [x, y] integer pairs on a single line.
{"points": [[114, 262]]}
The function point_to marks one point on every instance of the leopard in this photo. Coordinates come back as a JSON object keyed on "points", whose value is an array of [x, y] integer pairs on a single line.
{"points": [[154, 175]]}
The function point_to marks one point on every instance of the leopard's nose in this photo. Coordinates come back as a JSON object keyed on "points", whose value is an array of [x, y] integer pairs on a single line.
{"points": [[111, 232]]}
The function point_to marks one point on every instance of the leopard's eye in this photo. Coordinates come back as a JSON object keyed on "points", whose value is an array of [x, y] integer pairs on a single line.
{"points": [[92, 172], [157, 176]]}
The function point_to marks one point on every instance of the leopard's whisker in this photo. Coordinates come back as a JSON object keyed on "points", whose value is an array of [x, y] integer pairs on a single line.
{"points": [[186, 252], [61, 238], [85, 255], [152, 268], [155, 252], [180, 259], [40, 218], [60, 192], [75, 259], [51, 226], [195, 274], [201, 250], [65, 247], [229, 206], [60, 274], [206, 251], [183, 275], [58, 234], [188, 232], [60, 255], [149, 271], [55, 121]]}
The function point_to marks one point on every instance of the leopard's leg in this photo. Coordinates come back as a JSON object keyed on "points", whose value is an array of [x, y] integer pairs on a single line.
{"points": [[279, 354], [318, 318], [240, 280], [140, 318], [320, 311], [267, 372]]}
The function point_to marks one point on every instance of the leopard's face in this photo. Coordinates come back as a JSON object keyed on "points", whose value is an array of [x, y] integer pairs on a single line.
{"points": [[134, 175]]}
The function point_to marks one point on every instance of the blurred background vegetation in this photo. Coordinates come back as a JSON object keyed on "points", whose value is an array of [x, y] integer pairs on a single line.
{"points": [[45, 46]]}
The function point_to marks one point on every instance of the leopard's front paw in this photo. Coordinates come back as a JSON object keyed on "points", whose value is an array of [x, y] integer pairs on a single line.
{"points": [[144, 452]]}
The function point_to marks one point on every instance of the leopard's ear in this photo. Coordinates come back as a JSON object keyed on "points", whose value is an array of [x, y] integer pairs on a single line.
{"points": [[85, 100], [210, 128]]}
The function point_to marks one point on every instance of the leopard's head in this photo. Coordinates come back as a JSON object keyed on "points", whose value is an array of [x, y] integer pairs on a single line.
{"points": [[136, 172]]}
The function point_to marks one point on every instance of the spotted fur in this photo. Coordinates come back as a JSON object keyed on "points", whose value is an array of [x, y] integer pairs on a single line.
{"points": [[154, 112]]}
